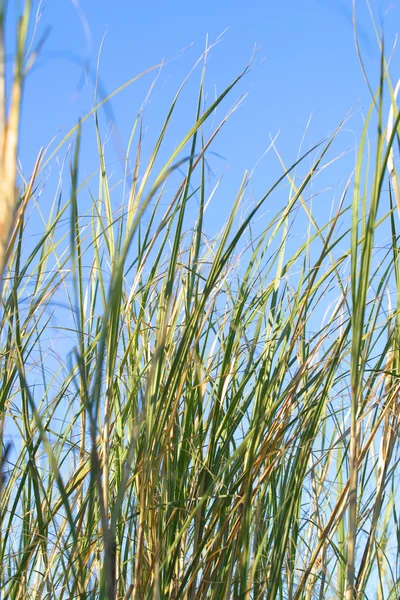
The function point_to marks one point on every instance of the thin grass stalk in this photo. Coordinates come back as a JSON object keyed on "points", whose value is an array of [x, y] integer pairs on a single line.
{"points": [[9, 127]]}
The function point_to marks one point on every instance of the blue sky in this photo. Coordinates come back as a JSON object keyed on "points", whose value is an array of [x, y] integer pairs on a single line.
{"points": [[306, 64]]}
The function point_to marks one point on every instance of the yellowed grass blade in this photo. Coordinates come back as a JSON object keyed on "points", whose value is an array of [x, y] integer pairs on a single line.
{"points": [[9, 131]]}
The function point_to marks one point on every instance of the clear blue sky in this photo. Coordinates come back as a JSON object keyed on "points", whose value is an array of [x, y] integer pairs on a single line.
{"points": [[309, 63]]}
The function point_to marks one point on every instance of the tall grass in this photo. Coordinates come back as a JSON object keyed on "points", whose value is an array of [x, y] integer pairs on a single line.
{"points": [[224, 422]]}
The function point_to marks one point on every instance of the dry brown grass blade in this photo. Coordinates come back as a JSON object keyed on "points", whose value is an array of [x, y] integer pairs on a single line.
{"points": [[128, 592]]}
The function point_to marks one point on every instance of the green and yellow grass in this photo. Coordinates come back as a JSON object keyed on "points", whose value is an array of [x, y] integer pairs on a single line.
{"points": [[222, 420]]}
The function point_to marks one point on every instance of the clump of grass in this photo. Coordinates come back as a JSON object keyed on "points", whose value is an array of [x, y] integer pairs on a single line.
{"points": [[209, 432]]}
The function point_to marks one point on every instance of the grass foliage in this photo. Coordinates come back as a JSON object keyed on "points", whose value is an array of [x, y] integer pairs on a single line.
{"points": [[221, 418]]}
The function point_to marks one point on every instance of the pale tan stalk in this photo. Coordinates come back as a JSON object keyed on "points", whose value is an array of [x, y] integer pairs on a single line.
{"points": [[9, 133], [391, 164]]}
